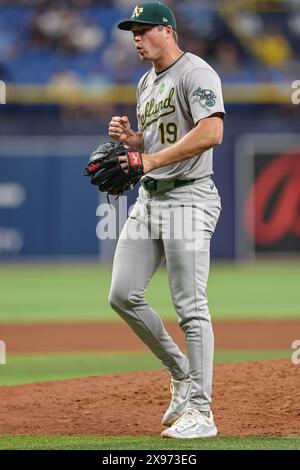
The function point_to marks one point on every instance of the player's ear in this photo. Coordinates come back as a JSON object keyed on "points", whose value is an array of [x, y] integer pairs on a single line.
{"points": [[168, 31]]}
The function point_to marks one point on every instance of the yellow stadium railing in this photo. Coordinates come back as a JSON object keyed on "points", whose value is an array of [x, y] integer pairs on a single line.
{"points": [[262, 93]]}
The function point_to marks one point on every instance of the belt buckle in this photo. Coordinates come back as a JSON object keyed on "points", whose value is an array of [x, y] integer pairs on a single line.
{"points": [[158, 186], [149, 185], [164, 186]]}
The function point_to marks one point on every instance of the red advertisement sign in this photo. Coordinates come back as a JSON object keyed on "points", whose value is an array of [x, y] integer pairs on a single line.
{"points": [[272, 208]]}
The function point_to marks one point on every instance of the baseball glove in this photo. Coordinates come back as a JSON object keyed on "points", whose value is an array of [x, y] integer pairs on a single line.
{"points": [[105, 170]]}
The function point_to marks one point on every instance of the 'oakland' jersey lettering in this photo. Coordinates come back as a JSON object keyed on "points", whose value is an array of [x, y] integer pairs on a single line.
{"points": [[155, 110]]}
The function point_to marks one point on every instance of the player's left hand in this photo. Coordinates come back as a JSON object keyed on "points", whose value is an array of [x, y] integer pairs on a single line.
{"points": [[106, 170]]}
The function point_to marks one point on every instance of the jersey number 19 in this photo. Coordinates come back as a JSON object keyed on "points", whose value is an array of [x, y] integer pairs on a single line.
{"points": [[168, 132]]}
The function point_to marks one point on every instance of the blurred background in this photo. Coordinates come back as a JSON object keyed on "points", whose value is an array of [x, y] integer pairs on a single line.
{"points": [[67, 71]]}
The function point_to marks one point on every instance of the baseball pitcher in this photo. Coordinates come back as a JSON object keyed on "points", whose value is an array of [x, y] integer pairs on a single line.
{"points": [[180, 115]]}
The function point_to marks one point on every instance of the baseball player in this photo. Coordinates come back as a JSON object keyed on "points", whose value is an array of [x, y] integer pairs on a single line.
{"points": [[180, 119]]}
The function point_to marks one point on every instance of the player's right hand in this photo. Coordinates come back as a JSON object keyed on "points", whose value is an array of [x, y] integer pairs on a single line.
{"points": [[119, 128]]}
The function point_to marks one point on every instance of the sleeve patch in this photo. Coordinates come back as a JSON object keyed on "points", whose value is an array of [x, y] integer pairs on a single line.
{"points": [[207, 96]]}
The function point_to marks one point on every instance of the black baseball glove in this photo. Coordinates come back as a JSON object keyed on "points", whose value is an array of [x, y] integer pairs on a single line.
{"points": [[105, 170]]}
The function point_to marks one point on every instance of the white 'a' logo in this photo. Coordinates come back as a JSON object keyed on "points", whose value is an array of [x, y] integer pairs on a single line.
{"points": [[137, 11]]}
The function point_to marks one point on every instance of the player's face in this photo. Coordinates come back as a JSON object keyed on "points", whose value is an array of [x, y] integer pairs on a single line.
{"points": [[149, 41]]}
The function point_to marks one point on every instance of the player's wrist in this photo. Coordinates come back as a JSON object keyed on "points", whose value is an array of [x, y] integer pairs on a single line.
{"points": [[148, 162], [134, 140]]}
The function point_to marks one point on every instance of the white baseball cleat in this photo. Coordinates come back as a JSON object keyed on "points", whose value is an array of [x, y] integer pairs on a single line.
{"points": [[180, 391], [192, 425]]}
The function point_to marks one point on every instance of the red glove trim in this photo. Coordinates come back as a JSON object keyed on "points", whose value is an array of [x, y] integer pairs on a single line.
{"points": [[135, 158]]}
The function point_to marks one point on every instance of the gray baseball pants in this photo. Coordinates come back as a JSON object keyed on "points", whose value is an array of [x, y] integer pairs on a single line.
{"points": [[174, 226]]}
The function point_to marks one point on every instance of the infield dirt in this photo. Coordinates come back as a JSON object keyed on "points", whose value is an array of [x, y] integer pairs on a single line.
{"points": [[250, 398], [80, 337]]}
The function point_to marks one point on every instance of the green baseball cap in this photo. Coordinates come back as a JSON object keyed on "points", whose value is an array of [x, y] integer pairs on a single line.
{"points": [[155, 13]]}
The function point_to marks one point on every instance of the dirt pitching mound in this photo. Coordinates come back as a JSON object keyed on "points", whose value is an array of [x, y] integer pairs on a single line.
{"points": [[250, 398]]}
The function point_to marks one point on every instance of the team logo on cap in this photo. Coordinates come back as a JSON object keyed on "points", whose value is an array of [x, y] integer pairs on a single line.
{"points": [[137, 11]]}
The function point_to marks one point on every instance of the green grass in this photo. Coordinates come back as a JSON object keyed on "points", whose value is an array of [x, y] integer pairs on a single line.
{"points": [[147, 443], [255, 290], [76, 292], [29, 368]]}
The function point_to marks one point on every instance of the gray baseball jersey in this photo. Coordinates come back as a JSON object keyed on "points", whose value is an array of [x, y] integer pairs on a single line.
{"points": [[170, 104]]}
